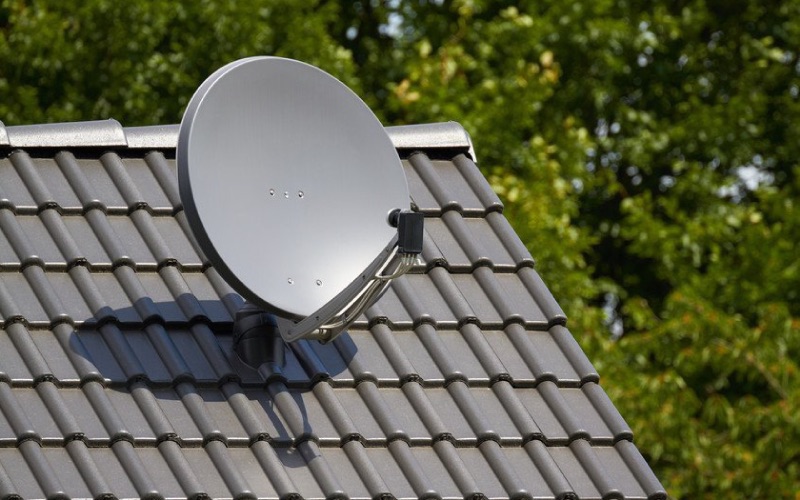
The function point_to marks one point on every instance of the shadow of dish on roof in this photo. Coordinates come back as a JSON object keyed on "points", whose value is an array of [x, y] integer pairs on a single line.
{"points": [[204, 391]]}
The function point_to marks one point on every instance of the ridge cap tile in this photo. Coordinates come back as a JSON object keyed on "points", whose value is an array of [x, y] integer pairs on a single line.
{"points": [[94, 133]]}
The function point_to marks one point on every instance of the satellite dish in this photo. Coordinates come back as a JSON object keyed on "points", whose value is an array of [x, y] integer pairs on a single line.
{"points": [[295, 193]]}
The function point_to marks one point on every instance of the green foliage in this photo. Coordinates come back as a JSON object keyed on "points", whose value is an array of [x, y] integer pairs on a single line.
{"points": [[647, 153], [139, 61]]}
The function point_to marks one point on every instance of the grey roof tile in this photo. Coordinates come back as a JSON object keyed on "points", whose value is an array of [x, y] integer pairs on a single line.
{"points": [[505, 234], [70, 254], [91, 183], [488, 482], [230, 299], [619, 477], [500, 464], [14, 194], [206, 469], [419, 477], [57, 188], [341, 424], [111, 470], [45, 247], [449, 188], [410, 289], [397, 483], [421, 197], [590, 419], [116, 356], [591, 463], [8, 436], [24, 484], [113, 246], [126, 236], [454, 345], [439, 247], [180, 420], [191, 352], [112, 422], [49, 299], [251, 481], [15, 416], [579, 480], [22, 342], [40, 418], [91, 427], [638, 466], [398, 359], [544, 299], [157, 420], [534, 479], [64, 294], [132, 461], [85, 470], [47, 347], [213, 352], [369, 476], [168, 352], [524, 425], [421, 364], [147, 356], [470, 291], [572, 423], [552, 475], [393, 412], [164, 173], [484, 413], [90, 248], [462, 243], [136, 183], [456, 301], [144, 179], [463, 483], [29, 173], [477, 182], [177, 462], [18, 238], [103, 295], [363, 361], [179, 246], [150, 296], [152, 238], [572, 351], [536, 351], [131, 417], [25, 304], [514, 363], [605, 409], [163, 479], [474, 248]]}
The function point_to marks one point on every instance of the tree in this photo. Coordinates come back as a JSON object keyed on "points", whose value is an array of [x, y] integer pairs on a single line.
{"points": [[645, 154], [646, 151]]}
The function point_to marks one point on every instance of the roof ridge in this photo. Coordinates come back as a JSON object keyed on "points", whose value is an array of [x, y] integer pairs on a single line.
{"points": [[110, 133]]}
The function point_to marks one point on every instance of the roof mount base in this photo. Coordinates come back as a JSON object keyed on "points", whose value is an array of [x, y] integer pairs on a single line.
{"points": [[256, 338]]}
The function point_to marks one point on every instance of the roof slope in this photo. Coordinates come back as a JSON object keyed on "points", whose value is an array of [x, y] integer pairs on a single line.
{"points": [[117, 377]]}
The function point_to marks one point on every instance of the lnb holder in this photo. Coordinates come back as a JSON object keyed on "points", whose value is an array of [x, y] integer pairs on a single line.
{"points": [[410, 229]]}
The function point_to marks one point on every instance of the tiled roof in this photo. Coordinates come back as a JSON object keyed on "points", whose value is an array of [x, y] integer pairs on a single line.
{"points": [[117, 376]]}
